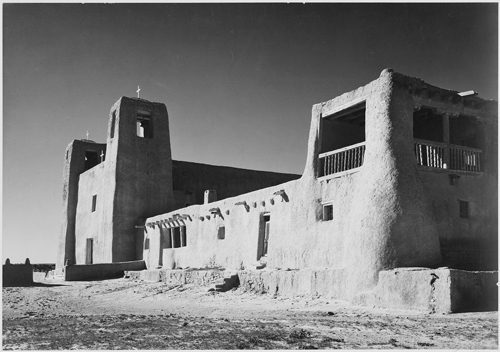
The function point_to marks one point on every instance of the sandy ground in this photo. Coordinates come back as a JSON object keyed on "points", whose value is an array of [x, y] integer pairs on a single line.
{"points": [[126, 314]]}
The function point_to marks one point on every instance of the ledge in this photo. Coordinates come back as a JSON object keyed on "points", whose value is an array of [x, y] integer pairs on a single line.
{"points": [[449, 171], [339, 174]]}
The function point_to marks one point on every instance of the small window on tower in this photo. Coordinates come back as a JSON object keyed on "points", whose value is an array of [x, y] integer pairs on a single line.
{"points": [[91, 159], [94, 202], [327, 212], [112, 127], [144, 124]]}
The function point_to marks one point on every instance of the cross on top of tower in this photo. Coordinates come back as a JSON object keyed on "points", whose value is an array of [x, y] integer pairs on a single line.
{"points": [[87, 134], [138, 90]]}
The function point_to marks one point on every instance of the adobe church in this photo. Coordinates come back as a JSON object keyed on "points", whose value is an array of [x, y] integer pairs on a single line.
{"points": [[399, 173]]}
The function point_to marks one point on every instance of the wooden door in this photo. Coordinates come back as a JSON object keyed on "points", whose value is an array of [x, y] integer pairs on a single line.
{"points": [[88, 258]]}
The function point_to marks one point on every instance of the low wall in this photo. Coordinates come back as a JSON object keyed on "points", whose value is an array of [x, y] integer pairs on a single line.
{"points": [[440, 290], [101, 271], [17, 275], [329, 283], [178, 277], [39, 276]]}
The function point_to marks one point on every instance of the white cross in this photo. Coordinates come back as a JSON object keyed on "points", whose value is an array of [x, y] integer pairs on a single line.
{"points": [[102, 156], [138, 90], [87, 134]]}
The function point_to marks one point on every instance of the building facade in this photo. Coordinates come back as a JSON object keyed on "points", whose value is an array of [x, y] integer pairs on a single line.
{"points": [[399, 173]]}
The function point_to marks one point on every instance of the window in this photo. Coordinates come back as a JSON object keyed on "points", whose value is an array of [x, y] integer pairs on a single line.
{"points": [[166, 238], [91, 159], [221, 233], [94, 202], [146, 243], [463, 209], [112, 128], [144, 124], [183, 236], [327, 212], [176, 237]]}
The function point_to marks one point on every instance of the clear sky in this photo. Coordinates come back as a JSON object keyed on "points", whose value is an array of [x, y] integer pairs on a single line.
{"points": [[239, 81]]}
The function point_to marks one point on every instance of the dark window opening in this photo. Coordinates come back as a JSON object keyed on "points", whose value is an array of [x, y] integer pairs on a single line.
{"points": [[446, 141], [463, 209], [91, 159], [146, 243], [176, 237], [327, 212], [166, 238], [344, 128], [342, 140], [221, 233], [463, 131], [183, 236], [144, 125], [94, 202], [112, 128], [428, 125]]}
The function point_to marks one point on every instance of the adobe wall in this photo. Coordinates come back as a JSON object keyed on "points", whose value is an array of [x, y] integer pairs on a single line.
{"points": [[380, 212], [204, 249], [466, 243], [441, 290], [17, 274], [227, 181], [97, 224], [387, 225], [470, 243], [74, 165]]}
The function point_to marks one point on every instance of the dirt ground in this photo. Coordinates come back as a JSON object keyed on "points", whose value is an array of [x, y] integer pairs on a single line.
{"points": [[127, 315]]}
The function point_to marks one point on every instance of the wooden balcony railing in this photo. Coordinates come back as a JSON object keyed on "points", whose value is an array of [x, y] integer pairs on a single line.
{"points": [[439, 155], [430, 153], [342, 159], [465, 158]]}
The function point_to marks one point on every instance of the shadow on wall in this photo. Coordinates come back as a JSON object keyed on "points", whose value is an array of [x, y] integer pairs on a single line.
{"points": [[102, 271]]}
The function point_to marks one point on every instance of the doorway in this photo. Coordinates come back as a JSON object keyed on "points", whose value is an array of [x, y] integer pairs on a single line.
{"points": [[264, 230], [88, 257]]}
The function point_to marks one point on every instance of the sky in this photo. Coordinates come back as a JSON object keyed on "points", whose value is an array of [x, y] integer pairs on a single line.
{"points": [[238, 80]]}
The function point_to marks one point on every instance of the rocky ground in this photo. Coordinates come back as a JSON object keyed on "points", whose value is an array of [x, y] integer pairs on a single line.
{"points": [[126, 315]]}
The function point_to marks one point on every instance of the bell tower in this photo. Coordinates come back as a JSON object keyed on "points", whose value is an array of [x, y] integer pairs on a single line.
{"points": [[138, 170]]}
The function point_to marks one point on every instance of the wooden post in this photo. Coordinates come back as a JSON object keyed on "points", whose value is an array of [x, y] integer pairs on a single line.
{"points": [[446, 139]]}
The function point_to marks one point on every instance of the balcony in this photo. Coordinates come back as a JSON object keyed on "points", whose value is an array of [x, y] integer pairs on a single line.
{"points": [[429, 154], [342, 160], [438, 155]]}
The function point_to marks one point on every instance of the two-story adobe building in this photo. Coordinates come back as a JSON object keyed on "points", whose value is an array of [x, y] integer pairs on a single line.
{"points": [[399, 173]]}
